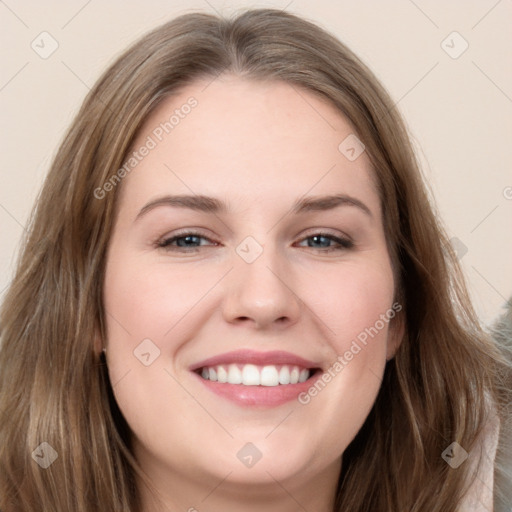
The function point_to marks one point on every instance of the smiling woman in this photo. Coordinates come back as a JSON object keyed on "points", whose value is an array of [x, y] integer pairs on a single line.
{"points": [[262, 312]]}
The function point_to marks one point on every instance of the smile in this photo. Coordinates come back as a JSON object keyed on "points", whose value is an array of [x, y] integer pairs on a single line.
{"points": [[253, 375], [253, 378]]}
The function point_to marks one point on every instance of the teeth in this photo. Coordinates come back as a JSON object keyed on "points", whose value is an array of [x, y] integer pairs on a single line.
{"points": [[284, 375], [303, 376], [252, 375], [234, 374], [269, 376], [222, 374]]}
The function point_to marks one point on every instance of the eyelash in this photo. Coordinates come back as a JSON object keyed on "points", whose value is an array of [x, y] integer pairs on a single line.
{"points": [[344, 243]]}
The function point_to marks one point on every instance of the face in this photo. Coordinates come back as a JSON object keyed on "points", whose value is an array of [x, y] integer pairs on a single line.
{"points": [[247, 333]]}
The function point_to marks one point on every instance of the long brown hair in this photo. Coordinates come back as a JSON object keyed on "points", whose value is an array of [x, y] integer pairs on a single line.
{"points": [[53, 385]]}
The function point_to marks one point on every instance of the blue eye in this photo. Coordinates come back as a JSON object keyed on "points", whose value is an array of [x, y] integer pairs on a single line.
{"points": [[191, 241], [183, 241], [343, 243]]}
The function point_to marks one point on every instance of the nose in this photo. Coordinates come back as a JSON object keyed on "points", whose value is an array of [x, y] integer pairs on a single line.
{"points": [[261, 293]]}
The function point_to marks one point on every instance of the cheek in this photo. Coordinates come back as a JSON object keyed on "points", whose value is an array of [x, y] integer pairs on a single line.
{"points": [[143, 305], [351, 300], [149, 300], [355, 306], [151, 312]]}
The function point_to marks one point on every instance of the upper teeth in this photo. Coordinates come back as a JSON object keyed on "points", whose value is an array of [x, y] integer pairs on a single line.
{"points": [[252, 375]]}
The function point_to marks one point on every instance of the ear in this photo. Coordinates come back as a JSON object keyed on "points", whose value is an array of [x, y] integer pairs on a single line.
{"points": [[396, 333]]}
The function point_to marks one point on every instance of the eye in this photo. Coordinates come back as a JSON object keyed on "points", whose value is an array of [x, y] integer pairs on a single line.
{"points": [[188, 241], [325, 238]]}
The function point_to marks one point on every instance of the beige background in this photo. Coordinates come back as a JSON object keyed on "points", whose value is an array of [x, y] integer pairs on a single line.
{"points": [[459, 110]]}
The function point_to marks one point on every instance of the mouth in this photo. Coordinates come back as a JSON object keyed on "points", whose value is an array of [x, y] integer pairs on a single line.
{"points": [[255, 375], [254, 378]]}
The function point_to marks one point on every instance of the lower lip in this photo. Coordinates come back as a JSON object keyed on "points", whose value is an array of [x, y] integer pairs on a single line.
{"points": [[265, 396]]}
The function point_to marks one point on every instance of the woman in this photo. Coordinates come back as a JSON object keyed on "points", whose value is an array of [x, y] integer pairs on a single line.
{"points": [[142, 372]]}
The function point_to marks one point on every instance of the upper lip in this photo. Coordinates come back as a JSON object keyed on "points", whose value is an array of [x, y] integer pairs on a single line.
{"points": [[257, 358]]}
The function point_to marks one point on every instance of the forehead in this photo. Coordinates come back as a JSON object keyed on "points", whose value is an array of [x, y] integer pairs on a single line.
{"points": [[250, 139]]}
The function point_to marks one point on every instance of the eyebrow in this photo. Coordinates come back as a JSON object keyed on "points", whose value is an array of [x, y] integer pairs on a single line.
{"points": [[213, 205]]}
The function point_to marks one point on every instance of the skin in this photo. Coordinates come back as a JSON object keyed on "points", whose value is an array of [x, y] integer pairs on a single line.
{"points": [[259, 146]]}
